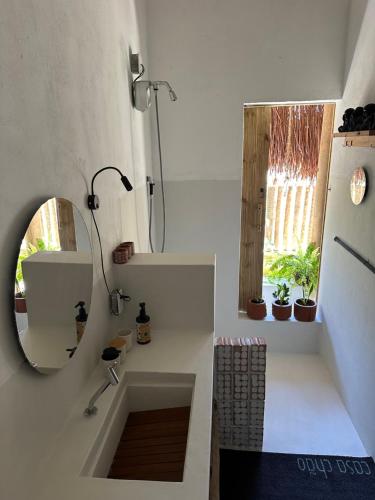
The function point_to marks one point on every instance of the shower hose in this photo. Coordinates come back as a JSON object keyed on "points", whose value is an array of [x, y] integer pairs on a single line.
{"points": [[161, 183]]}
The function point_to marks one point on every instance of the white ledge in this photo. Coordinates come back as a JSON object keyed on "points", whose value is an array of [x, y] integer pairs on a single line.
{"points": [[270, 319], [171, 259]]}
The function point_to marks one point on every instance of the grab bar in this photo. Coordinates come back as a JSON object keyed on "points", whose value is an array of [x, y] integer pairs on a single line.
{"points": [[355, 254]]}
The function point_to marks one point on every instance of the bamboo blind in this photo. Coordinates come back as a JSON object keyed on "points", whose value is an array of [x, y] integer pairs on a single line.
{"points": [[295, 140]]}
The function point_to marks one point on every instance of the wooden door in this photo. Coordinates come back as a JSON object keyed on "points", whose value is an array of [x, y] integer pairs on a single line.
{"points": [[323, 174], [257, 125], [66, 225]]}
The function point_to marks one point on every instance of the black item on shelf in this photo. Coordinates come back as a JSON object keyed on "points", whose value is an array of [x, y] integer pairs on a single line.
{"points": [[360, 118], [370, 117]]}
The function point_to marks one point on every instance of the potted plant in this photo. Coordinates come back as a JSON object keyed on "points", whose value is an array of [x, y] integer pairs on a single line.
{"points": [[19, 297], [281, 309], [20, 301], [256, 308], [301, 269]]}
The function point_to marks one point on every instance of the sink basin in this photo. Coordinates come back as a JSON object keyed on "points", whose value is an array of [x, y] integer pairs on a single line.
{"points": [[140, 392]]}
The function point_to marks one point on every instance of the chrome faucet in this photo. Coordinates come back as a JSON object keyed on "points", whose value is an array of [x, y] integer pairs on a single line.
{"points": [[112, 379]]}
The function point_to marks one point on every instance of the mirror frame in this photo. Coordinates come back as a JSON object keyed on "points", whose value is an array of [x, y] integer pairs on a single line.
{"points": [[20, 238], [362, 170]]}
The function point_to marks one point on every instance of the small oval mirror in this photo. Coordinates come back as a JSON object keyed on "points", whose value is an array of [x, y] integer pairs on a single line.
{"points": [[358, 185], [53, 285]]}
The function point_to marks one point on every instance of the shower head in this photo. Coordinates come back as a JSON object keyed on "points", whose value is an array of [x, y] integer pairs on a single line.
{"points": [[172, 93], [142, 92]]}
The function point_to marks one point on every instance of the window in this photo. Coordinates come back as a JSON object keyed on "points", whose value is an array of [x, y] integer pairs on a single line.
{"points": [[286, 154]]}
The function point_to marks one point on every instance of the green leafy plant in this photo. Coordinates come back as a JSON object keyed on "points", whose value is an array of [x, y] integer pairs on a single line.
{"points": [[257, 300], [282, 294], [30, 249], [300, 269]]}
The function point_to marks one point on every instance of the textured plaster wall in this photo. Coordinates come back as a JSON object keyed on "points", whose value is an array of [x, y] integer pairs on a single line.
{"points": [[65, 112], [347, 288], [219, 55]]}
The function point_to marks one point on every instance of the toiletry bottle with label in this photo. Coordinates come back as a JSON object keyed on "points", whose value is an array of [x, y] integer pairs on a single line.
{"points": [[143, 326], [81, 320]]}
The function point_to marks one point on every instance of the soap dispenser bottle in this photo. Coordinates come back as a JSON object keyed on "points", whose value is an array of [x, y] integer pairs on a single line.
{"points": [[143, 325], [81, 320]]}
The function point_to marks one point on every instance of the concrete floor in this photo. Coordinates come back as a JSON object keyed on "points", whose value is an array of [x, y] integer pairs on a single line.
{"points": [[304, 412]]}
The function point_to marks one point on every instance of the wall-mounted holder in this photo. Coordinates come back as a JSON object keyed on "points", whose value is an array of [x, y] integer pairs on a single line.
{"points": [[141, 89], [117, 301], [360, 139], [135, 65]]}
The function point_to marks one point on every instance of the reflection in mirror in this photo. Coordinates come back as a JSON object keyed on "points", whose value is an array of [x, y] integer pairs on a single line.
{"points": [[53, 285], [358, 185]]}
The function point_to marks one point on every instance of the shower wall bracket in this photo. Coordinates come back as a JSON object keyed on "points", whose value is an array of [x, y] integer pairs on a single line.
{"points": [[135, 65]]}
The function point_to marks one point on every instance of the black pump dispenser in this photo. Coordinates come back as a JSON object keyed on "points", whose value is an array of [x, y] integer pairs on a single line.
{"points": [[81, 319], [143, 317], [82, 314], [110, 354], [143, 325]]}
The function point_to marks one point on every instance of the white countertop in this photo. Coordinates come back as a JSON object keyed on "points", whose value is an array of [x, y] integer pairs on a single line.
{"points": [[61, 257], [188, 352], [47, 346]]}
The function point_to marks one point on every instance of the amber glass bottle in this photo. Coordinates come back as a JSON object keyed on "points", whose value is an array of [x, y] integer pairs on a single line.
{"points": [[143, 326]]}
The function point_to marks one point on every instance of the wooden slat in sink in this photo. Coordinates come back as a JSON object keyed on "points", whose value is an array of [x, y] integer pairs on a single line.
{"points": [[151, 450], [154, 416], [156, 441], [152, 446]]}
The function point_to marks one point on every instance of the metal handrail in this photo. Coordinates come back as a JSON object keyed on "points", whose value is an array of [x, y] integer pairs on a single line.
{"points": [[355, 254]]}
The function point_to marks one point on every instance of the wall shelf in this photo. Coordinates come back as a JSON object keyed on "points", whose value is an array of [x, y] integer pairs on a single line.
{"points": [[361, 139]]}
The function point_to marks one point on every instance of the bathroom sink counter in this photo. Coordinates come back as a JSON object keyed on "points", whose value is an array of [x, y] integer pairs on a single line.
{"points": [[182, 352]]}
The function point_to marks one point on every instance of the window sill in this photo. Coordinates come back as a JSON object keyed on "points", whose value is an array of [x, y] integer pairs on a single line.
{"points": [[270, 319]]}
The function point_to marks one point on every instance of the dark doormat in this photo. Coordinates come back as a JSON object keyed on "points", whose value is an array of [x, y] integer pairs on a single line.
{"points": [[246, 475]]}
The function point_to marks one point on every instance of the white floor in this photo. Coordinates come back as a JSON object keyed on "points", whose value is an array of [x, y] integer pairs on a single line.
{"points": [[304, 412]]}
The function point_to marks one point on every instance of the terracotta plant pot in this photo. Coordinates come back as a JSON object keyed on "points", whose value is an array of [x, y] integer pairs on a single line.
{"points": [[20, 305], [305, 313], [120, 255], [281, 312], [256, 310], [129, 245]]}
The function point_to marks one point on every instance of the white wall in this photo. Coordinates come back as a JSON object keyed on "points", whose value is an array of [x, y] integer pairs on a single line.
{"points": [[347, 287], [204, 216], [219, 55], [357, 9], [65, 112]]}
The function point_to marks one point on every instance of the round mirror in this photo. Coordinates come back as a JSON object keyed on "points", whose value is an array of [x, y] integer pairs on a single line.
{"points": [[53, 285], [358, 185]]}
